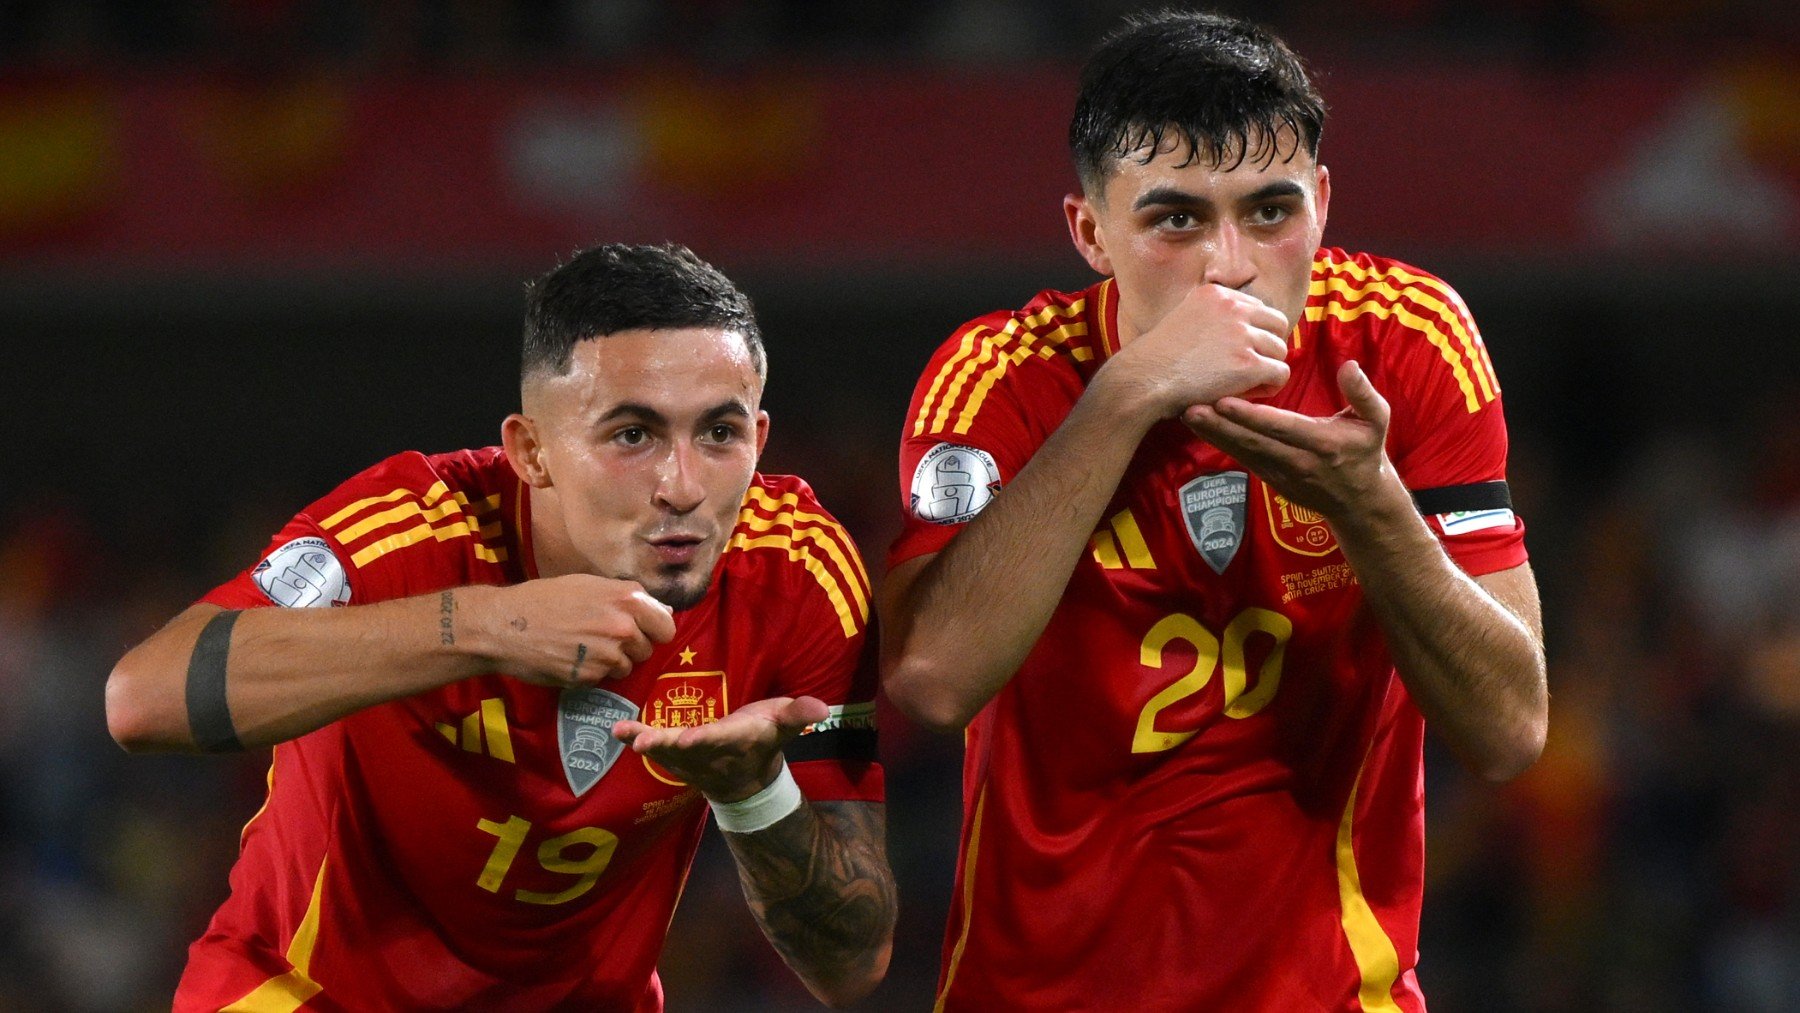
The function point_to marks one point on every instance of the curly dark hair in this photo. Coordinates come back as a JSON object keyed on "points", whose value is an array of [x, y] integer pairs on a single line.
{"points": [[1222, 89]]}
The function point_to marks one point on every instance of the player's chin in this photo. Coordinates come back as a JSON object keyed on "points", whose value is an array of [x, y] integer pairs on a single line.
{"points": [[681, 587]]}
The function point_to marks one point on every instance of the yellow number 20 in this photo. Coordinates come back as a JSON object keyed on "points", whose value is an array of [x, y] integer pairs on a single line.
{"points": [[1241, 699]]}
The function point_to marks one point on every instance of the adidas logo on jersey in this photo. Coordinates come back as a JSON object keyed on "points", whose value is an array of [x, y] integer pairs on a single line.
{"points": [[483, 730]]}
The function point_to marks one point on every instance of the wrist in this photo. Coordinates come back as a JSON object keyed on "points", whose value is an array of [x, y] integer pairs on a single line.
{"points": [[463, 627], [1123, 401], [765, 808]]}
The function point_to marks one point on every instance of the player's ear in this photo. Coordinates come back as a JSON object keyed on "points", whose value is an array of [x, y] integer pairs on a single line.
{"points": [[1084, 232], [525, 450], [762, 432], [1324, 181]]}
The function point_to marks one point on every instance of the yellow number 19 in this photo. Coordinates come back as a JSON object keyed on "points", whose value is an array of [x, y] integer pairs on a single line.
{"points": [[1228, 652], [550, 854]]}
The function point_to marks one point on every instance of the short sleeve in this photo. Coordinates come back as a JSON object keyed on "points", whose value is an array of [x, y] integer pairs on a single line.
{"points": [[968, 430], [344, 548], [1448, 435]]}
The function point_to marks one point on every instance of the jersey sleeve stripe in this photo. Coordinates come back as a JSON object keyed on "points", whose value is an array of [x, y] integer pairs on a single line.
{"points": [[968, 898], [761, 498], [992, 343], [396, 515], [825, 540], [338, 518], [1441, 299], [833, 589], [1359, 302], [1376, 960], [991, 348], [969, 336], [1053, 339], [287, 992], [455, 529]]}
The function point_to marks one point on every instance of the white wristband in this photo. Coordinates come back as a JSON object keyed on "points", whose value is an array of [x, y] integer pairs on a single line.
{"points": [[763, 809]]}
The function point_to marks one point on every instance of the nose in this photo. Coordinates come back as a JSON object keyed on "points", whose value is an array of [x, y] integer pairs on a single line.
{"points": [[678, 485], [1230, 264]]}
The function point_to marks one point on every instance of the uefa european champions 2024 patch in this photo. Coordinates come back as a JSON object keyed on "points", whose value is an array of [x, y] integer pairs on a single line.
{"points": [[953, 483], [585, 716], [1213, 507]]}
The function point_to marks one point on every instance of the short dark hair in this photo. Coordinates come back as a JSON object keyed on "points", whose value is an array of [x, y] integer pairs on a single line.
{"points": [[612, 288], [1221, 87]]}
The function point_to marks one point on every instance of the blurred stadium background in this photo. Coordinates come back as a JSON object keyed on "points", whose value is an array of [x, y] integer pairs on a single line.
{"points": [[249, 246]]}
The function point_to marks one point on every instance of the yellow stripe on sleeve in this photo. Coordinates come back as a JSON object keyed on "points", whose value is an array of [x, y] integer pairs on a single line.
{"points": [[395, 515], [1422, 295], [969, 338], [1376, 960], [825, 540], [792, 500], [286, 993], [833, 589], [991, 346], [338, 518], [1074, 329], [1471, 399]]}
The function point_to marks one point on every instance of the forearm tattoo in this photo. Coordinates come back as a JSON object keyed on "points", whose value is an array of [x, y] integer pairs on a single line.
{"points": [[819, 885], [446, 619]]}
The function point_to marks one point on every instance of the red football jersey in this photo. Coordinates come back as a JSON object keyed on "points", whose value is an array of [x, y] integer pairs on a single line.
{"points": [[488, 845], [1203, 789]]}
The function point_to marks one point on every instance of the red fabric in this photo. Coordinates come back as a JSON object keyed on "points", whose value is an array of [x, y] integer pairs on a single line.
{"points": [[1085, 810], [406, 809]]}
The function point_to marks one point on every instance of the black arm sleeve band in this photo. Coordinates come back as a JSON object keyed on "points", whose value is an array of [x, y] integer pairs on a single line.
{"points": [[1451, 499], [855, 744], [209, 716]]}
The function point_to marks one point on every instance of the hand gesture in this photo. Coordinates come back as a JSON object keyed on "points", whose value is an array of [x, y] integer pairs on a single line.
{"points": [[1332, 465], [574, 630], [1215, 342], [734, 757]]}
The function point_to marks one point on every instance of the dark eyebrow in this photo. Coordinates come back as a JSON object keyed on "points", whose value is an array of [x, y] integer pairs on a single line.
{"points": [[1279, 188], [733, 408], [641, 412], [726, 410], [1168, 195]]}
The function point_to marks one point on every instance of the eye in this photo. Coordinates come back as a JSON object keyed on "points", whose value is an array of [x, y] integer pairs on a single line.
{"points": [[1270, 214], [1178, 220], [721, 432], [632, 436]]}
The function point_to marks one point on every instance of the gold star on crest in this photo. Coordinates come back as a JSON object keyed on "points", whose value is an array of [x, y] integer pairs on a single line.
{"points": [[687, 655]]}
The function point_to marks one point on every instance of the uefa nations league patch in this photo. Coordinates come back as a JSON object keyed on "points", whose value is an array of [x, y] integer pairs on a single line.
{"points": [[953, 483], [303, 574]]}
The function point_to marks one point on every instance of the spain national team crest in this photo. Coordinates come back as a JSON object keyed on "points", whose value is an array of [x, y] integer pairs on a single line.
{"points": [[683, 700], [1213, 507], [1296, 528], [585, 716]]}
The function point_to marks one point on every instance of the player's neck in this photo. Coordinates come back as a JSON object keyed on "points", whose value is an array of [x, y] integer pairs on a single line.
{"points": [[552, 553]]}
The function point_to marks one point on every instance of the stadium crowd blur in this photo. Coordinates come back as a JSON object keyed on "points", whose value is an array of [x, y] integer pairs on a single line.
{"points": [[1647, 862]]}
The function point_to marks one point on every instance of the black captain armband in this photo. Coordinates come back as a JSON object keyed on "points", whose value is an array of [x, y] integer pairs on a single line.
{"points": [[1455, 499], [847, 735], [209, 716]]}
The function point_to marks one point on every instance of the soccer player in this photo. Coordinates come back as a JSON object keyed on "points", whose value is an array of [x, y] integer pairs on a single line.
{"points": [[1192, 557], [504, 681]]}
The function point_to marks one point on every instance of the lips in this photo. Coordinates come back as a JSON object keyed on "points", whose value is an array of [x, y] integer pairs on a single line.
{"points": [[676, 549]]}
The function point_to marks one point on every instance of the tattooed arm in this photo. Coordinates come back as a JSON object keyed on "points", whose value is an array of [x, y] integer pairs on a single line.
{"points": [[277, 673], [819, 884], [817, 879]]}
